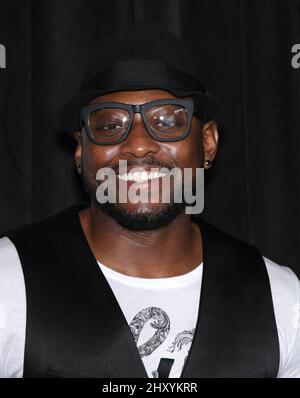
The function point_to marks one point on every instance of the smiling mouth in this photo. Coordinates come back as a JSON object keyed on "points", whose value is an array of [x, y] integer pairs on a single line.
{"points": [[141, 176]]}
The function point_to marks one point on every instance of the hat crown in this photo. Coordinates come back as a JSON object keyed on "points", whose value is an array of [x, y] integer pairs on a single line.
{"points": [[138, 57], [137, 41]]}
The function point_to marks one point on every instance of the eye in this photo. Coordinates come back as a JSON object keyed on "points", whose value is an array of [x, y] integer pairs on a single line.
{"points": [[164, 121], [109, 126]]}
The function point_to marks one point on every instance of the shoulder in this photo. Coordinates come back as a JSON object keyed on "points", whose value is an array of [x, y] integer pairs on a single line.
{"points": [[43, 229], [10, 267], [237, 258], [7, 250], [285, 287], [284, 283], [12, 311], [11, 276], [223, 240], [9, 264]]}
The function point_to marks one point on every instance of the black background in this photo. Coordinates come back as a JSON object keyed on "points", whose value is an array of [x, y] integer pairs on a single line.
{"points": [[244, 51]]}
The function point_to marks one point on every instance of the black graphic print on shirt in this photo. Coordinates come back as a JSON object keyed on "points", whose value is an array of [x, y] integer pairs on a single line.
{"points": [[182, 339], [161, 325]]}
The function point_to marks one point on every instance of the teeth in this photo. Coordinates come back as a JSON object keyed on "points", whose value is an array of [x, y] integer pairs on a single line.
{"points": [[141, 176]]}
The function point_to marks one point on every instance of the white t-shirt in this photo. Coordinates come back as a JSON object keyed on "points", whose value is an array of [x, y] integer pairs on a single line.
{"points": [[162, 315], [285, 289]]}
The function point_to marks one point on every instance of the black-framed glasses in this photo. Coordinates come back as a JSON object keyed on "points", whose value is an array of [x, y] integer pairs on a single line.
{"points": [[166, 120]]}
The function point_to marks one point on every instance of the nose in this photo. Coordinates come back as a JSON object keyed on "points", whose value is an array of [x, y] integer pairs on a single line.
{"points": [[139, 143]]}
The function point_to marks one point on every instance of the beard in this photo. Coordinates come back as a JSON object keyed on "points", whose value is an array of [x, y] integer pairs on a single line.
{"points": [[143, 218]]}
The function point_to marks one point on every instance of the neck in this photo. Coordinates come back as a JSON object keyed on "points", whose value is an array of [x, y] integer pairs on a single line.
{"points": [[172, 250]]}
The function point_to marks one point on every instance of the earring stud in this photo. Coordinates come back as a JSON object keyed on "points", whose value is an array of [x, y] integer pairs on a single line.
{"points": [[208, 163]]}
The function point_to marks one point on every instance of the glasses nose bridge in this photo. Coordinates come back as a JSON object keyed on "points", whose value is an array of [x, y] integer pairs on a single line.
{"points": [[137, 108]]}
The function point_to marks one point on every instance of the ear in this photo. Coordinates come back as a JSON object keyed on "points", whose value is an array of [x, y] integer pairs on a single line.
{"points": [[210, 139], [78, 150]]}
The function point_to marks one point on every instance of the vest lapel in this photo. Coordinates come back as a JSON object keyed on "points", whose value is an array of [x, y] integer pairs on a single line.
{"points": [[114, 348], [236, 333]]}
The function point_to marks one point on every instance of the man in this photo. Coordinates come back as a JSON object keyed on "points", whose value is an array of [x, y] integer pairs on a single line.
{"points": [[142, 289]]}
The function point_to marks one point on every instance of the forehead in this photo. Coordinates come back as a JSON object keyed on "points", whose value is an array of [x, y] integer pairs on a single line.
{"points": [[134, 97]]}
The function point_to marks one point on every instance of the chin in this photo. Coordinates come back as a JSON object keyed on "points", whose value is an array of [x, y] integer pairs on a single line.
{"points": [[142, 216]]}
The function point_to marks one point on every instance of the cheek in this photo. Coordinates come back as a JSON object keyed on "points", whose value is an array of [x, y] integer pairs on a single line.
{"points": [[96, 157], [187, 153]]}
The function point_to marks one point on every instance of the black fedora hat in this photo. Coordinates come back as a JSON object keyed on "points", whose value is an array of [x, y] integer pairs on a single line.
{"points": [[140, 57]]}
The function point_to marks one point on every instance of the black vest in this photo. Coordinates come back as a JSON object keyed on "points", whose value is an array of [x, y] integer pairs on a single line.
{"points": [[75, 327]]}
